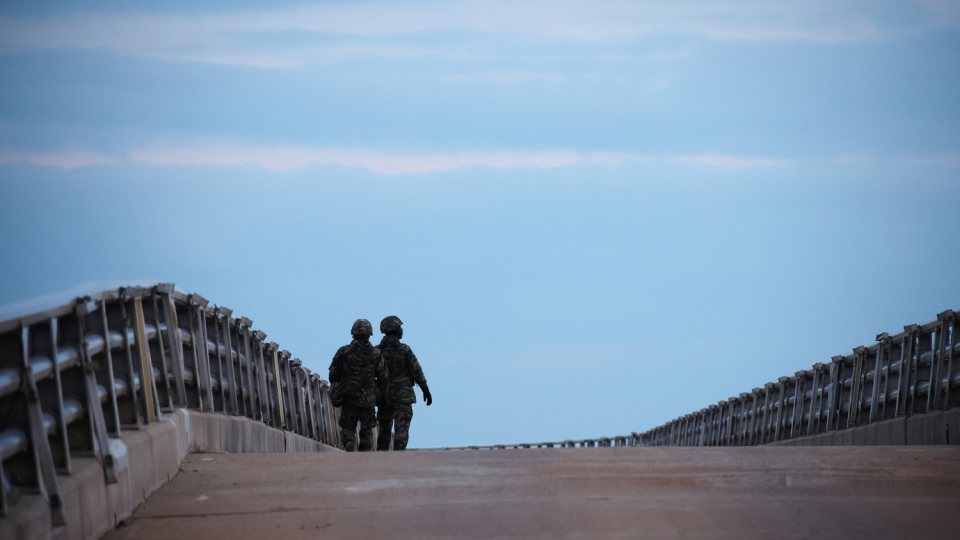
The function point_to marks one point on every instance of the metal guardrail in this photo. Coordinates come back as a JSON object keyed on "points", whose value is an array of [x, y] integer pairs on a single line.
{"points": [[621, 440], [914, 372], [74, 375]]}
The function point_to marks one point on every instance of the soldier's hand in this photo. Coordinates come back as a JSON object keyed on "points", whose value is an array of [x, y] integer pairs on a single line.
{"points": [[427, 397]]}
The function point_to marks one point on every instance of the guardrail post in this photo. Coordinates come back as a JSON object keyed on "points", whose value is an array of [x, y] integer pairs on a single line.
{"points": [[252, 388], [322, 409], [765, 428], [280, 417], [742, 418], [711, 423], [782, 386], [104, 373], [937, 364], [701, 436], [955, 339], [313, 394], [816, 399], [731, 403], [833, 396], [40, 446], [264, 392], [146, 365], [201, 354], [877, 374], [132, 415], [286, 391], [165, 402], [93, 399], [721, 422], [796, 415], [856, 390], [910, 366], [173, 340], [296, 395], [234, 407]]}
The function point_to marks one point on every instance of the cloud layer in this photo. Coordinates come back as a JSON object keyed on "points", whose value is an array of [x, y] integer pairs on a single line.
{"points": [[237, 38], [282, 159]]}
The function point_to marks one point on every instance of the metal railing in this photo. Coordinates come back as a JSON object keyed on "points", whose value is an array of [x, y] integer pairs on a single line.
{"points": [[914, 372], [621, 440], [74, 375]]}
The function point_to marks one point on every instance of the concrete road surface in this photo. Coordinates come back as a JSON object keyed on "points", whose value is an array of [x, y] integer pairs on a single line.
{"points": [[771, 493]]}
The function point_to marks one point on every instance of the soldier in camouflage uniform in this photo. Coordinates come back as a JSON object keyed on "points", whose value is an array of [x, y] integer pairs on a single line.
{"points": [[359, 371], [404, 370]]}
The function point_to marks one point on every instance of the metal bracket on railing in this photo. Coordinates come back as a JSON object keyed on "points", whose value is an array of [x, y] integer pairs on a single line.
{"points": [[780, 403], [93, 396], [755, 394], [833, 418], [856, 390], [882, 352], [43, 457], [816, 399], [264, 392], [146, 365], [276, 374], [243, 326], [174, 345], [936, 365], [949, 317]]}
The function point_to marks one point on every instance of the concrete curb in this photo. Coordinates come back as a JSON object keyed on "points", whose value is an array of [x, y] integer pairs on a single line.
{"points": [[941, 427], [147, 459]]}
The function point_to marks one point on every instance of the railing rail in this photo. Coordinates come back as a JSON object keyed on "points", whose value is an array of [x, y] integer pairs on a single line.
{"points": [[914, 372], [76, 374]]}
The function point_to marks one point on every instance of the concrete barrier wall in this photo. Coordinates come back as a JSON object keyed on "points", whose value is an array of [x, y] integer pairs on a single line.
{"points": [[147, 459], [942, 427]]}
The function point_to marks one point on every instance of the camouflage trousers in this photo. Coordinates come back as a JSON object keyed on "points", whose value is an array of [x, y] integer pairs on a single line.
{"points": [[399, 417], [349, 416]]}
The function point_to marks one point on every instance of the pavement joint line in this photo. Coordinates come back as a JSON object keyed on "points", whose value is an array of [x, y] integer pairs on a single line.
{"points": [[785, 496], [378, 506]]}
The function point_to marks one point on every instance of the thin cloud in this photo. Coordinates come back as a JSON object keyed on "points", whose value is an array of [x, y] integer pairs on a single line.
{"points": [[290, 158], [509, 77], [63, 160], [728, 162], [244, 38]]}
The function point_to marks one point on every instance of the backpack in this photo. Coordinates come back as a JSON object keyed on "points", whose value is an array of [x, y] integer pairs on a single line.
{"points": [[354, 373], [395, 360]]}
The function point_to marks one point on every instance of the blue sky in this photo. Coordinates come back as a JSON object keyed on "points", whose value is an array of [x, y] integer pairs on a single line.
{"points": [[592, 217]]}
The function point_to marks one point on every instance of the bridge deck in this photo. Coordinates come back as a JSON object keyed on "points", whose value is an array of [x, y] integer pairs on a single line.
{"points": [[754, 492]]}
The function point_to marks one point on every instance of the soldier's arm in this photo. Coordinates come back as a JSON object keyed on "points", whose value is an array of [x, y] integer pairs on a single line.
{"points": [[336, 365], [413, 365], [417, 373], [383, 378]]}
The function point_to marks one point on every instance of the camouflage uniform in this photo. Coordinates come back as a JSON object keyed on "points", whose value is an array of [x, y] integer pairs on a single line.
{"points": [[359, 369], [397, 407]]}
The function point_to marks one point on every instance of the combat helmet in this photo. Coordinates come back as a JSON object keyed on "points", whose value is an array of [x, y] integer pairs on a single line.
{"points": [[390, 324], [362, 328]]}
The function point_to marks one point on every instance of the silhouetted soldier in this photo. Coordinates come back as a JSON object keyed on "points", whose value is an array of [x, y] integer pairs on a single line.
{"points": [[404, 370], [359, 372]]}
